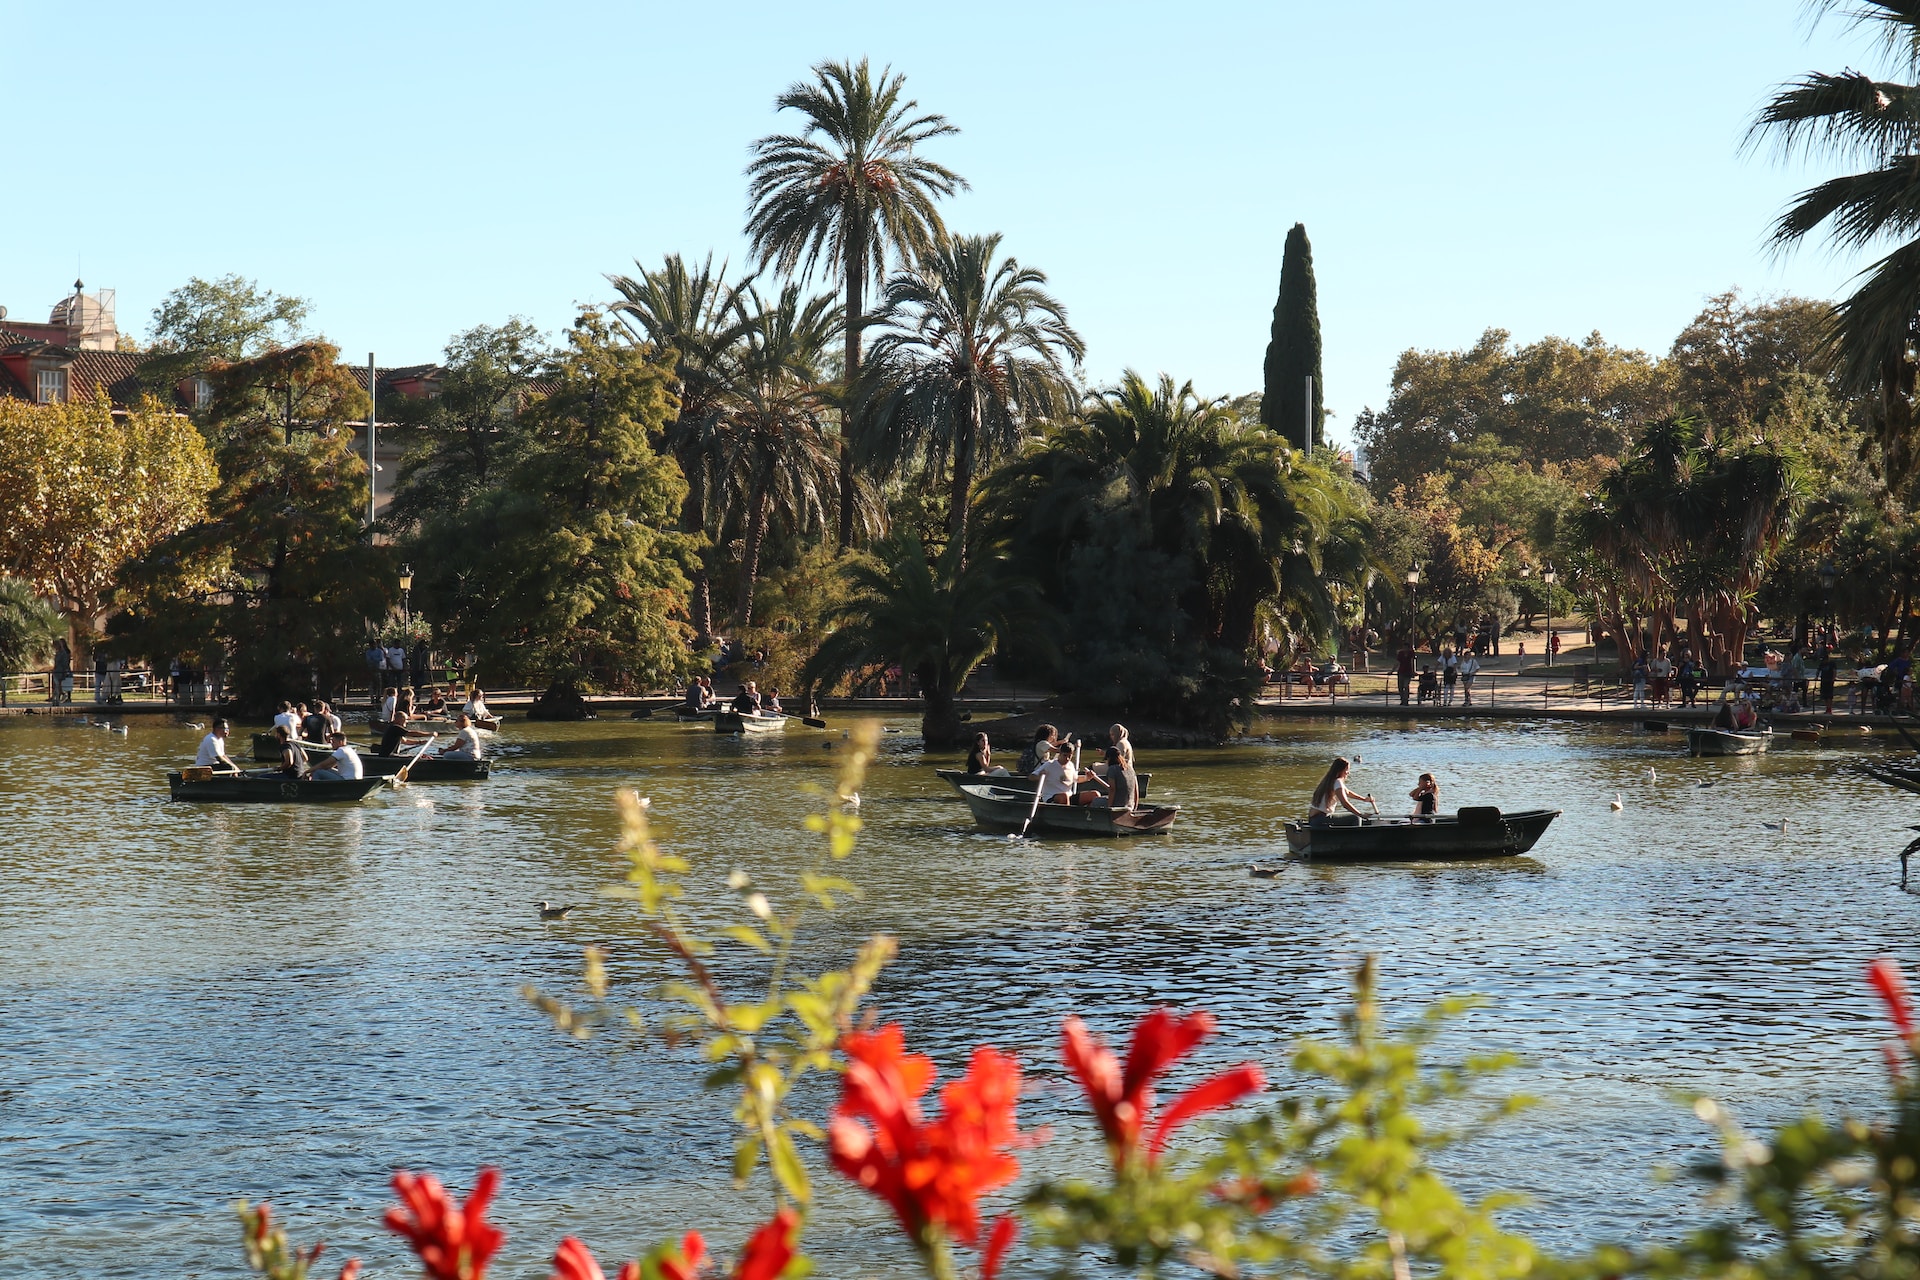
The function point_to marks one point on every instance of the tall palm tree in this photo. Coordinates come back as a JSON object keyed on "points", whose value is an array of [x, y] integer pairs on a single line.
{"points": [[974, 348], [849, 189], [1858, 120], [774, 455], [699, 316], [938, 619]]}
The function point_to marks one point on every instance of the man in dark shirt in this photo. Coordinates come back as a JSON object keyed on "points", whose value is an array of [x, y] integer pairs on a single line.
{"points": [[1405, 670]]}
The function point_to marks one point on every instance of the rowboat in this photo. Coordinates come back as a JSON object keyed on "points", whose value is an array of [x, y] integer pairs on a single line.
{"points": [[1727, 742], [250, 788], [1475, 832], [687, 716], [748, 722], [1004, 809], [958, 778], [427, 768]]}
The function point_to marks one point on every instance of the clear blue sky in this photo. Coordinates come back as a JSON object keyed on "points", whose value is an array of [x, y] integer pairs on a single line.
{"points": [[416, 169]]}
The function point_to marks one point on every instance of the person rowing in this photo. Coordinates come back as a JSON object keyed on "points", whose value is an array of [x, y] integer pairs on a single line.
{"points": [[293, 761], [1333, 791], [213, 750], [746, 702], [1059, 780], [398, 735], [343, 765]]}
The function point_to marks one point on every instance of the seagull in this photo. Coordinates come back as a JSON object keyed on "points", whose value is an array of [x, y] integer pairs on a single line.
{"points": [[1264, 873], [1775, 826], [1651, 775], [119, 728], [550, 912], [194, 724], [1618, 802], [851, 802], [1709, 782]]}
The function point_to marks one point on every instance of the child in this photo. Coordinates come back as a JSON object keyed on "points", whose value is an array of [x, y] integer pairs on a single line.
{"points": [[1425, 797]]}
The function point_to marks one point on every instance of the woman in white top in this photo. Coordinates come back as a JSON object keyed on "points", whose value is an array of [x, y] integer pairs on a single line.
{"points": [[466, 741], [1333, 791], [1469, 668], [477, 705]]}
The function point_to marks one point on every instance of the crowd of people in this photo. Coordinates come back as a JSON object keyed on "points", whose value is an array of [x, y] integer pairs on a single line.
{"points": [[313, 743], [748, 701]]}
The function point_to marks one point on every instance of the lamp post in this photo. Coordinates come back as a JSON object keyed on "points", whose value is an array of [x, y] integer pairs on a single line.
{"points": [[1827, 576], [1413, 606], [406, 593]]}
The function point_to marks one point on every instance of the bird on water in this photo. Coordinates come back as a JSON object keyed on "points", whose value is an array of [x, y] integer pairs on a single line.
{"points": [[550, 912]]}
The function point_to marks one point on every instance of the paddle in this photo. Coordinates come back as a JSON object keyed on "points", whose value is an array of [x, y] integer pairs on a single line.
{"points": [[813, 722], [398, 780]]}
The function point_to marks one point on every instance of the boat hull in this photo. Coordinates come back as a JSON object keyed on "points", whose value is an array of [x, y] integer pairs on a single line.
{"points": [[1724, 742], [958, 778], [1474, 833], [430, 769], [747, 723], [1003, 809], [246, 789]]}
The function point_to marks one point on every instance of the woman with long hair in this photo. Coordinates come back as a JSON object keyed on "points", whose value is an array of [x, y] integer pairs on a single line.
{"points": [[1123, 785], [1333, 790]]}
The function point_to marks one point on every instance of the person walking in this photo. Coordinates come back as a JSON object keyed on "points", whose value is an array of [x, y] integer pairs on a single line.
{"points": [[1469, 668], [1553, 647], [1449, 676], [1403, 671], [1640, 683], [60, 684]]}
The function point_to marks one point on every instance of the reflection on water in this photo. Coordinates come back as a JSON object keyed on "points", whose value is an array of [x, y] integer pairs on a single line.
{"points": [[201, 1004]]}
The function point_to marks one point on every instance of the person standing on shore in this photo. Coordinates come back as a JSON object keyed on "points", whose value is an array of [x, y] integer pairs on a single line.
{"points": [[1640, 682], [1469, 668], [1553, 647], [1829, 670], [1449, 676], [1404, 670]]}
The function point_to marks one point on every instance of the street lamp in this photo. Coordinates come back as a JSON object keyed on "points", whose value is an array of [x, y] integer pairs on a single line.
{"points": [[406, 592], [1827, 576], [1413, 606]]}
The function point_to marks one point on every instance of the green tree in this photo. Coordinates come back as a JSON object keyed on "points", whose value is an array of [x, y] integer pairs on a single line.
{"points": [[229, 318], [1550, 401], [701, 319], [565, 565], [1855, 119], [1293, 350], [939, 619], [974, 349], [851, 189], [278, 578], [488, 378], [28, 624], [776, 459]]}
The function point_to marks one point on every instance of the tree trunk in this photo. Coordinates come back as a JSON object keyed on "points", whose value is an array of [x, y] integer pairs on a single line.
{"points": [[693, 521], [960, 497], [750, 555], [939, 719], [850, 412]]}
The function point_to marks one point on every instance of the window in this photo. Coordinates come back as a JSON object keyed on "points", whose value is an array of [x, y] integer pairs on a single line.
{"points": [[202, 393], [50, 386]]}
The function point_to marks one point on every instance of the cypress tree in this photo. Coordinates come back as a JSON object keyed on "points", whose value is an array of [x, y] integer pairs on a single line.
{"points": [[1293, 352]]}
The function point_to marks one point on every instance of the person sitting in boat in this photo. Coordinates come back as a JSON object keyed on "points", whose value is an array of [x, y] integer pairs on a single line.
{"points": [[1044, 738], [694, 699], [1425, 796], [313, 726], [1333, 791], [770, 705], [436, 702], [1123, 785], [746, 702], [343, 765], [285, 719], [389, 704], [1723, 717], [1744, 716], [213, 750], [476, 707], [466, 741], [980, 758], [397, 735], [1059, 782], [293, 761]]}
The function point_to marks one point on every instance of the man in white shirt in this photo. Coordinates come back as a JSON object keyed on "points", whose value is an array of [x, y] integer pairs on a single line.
{"points": [[287, 720], [213, 750], [343, 765], [466, 741], [1058, 780], [389, 703]]}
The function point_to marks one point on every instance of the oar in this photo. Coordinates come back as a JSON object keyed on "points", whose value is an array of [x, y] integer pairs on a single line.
{"points": [[398, 780]]}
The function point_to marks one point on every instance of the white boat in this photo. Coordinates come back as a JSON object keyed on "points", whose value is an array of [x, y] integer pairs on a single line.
{"points": [[748, 722]]}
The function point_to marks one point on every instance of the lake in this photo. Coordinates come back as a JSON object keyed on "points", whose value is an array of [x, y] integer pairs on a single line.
{"points": [[200, 1004]]}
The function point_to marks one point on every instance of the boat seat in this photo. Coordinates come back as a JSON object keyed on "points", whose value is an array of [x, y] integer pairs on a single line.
{"points": [[1479, 815]]}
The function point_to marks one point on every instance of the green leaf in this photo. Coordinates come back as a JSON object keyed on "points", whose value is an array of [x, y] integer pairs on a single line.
{"points": [[787, 1167], [750, 936]]}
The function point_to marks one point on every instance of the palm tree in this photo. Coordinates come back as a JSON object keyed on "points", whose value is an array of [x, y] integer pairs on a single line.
{"points": [[1858, 120], [974, 349], [772, 449], [939, 620], [849, 188], [700, 317]]}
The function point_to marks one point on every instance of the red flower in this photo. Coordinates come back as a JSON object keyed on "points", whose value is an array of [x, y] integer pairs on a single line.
{"points": [[573, 1261], [1884, 974], [931, 1172], [454, 1242], [770, 1250], [1005, 1228], [1122, 1097], [686, 1263]]}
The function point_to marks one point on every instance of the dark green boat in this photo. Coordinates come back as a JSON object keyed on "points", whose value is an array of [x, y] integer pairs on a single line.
{"points": [[1475, 832], [262, 788], [1005, 810]]}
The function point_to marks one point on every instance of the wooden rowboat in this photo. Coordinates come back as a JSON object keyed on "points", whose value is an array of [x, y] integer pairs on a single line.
{"points": [[1004, 809], [427, 769], [1475, 832], [1727, 742], [958, 778], [249, 788], [748, 722]]}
